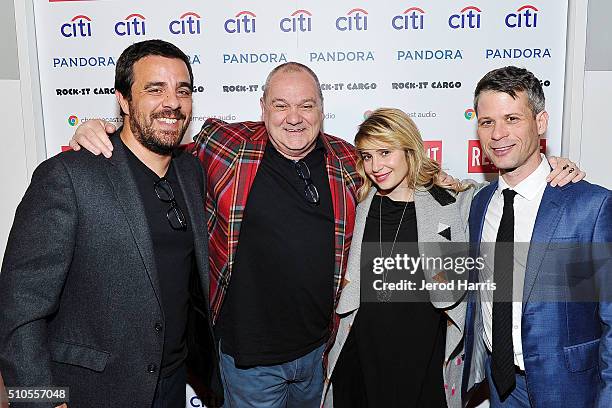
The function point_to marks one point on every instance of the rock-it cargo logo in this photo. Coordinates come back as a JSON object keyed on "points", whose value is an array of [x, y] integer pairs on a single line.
{"points": [[525, 16], [410, 19], [356, 19], [187, 23], [300, 20], [134, 24], [468, 18], [469, 114], [73, 120], [78, 26], [244, 22]]}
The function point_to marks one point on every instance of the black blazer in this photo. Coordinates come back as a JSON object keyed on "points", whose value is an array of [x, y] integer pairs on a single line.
{"points": [[80, 300]]}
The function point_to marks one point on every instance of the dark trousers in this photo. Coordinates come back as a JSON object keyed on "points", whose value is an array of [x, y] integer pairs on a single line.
{"points": [[170, 392]]}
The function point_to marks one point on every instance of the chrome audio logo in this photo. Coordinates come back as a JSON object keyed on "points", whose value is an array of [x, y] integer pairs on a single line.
{"points": [[469, 114], [73, 120]]}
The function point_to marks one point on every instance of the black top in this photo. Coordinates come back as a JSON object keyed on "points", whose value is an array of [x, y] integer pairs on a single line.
{"points": [[280, 298], [174, 259], [394, 353]]}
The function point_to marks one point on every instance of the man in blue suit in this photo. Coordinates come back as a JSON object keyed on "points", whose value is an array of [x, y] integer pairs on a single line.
{"points": [[550, 345]]}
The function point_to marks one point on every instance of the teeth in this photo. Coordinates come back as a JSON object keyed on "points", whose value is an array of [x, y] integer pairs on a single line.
{"points": [[168, 120]]}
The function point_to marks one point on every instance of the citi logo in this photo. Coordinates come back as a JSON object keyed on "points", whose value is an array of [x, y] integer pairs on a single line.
{"points": [[243, 23], [134, 24], [79, 26], [356, 19], [526, 16], [188, 23], [300, 20], [469, 18], [410, 19]]}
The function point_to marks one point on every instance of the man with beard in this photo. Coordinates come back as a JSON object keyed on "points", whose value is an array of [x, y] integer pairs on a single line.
{"points": [[280, 209], [107, 259]]}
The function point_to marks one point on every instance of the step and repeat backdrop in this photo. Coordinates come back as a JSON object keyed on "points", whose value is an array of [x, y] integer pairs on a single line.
{"points": [[420, 56]]}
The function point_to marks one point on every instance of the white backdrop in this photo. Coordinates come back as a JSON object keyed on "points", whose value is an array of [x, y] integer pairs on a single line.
{"points": [[422, 57]]}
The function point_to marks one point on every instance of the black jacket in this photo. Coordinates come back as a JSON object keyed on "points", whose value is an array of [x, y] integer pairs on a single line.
{"points": [[79, 293]]}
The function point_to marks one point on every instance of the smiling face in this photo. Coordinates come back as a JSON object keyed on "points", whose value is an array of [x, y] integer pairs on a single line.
{"points": [[159, 110], [293, 113], [387, 168], [510, 133]]}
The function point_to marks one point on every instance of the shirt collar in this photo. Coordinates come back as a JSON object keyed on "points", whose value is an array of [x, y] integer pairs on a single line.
{"points": [[529, 187]]}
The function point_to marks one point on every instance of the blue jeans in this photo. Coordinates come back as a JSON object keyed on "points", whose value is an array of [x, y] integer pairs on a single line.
{"points": [[518, 398], [295, 384]]}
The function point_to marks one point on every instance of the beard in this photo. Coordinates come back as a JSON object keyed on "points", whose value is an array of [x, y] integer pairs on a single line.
{"points": [[161, 142]]}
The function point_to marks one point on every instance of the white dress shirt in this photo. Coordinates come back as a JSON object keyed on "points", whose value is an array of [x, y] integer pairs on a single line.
{"points": [[526, 204]]}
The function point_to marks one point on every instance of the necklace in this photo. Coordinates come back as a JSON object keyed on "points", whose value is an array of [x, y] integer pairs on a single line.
{"points": [[385, 294]]}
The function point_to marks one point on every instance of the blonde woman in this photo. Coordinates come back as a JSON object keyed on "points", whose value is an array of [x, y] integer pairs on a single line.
{"points": [[393, 351]]}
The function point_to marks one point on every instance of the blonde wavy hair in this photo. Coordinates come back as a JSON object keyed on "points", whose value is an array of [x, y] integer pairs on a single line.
{"points": [[393, 129]]}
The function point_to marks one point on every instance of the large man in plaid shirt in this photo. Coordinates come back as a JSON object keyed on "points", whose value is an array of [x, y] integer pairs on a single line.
{"points": [[290, 203]]}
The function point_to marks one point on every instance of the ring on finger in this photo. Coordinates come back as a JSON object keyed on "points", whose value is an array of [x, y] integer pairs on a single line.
{"points": [[571, 170]]}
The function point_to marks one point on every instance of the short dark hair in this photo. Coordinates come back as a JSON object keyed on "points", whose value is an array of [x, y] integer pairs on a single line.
{"points": [[511, 80], [293, 66], [124, 70]]}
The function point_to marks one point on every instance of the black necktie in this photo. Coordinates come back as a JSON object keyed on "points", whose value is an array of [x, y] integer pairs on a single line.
{"points": [[502, 358]]}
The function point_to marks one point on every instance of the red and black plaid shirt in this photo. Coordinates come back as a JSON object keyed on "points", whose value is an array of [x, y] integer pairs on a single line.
{"points": [[231, 154]]}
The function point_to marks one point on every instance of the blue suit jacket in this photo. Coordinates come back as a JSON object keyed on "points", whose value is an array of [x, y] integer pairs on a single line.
{"points": [[567, 341]]}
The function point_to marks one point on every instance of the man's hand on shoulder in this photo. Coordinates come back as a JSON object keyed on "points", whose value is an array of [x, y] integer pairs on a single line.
{"points": [[564, 171], [93, 136]]}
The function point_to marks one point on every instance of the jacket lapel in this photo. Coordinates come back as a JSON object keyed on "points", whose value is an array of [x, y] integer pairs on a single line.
{"points": [[337, 189], [193, 200], [424, 205], [547, 219], [128, 197], [350, 297], [478, 212], [247, 162], [475, 354]]}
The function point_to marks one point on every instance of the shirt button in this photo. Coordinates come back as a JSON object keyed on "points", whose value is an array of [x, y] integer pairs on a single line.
{"points": [[158, 327], [515, 327], [152, 368]]}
